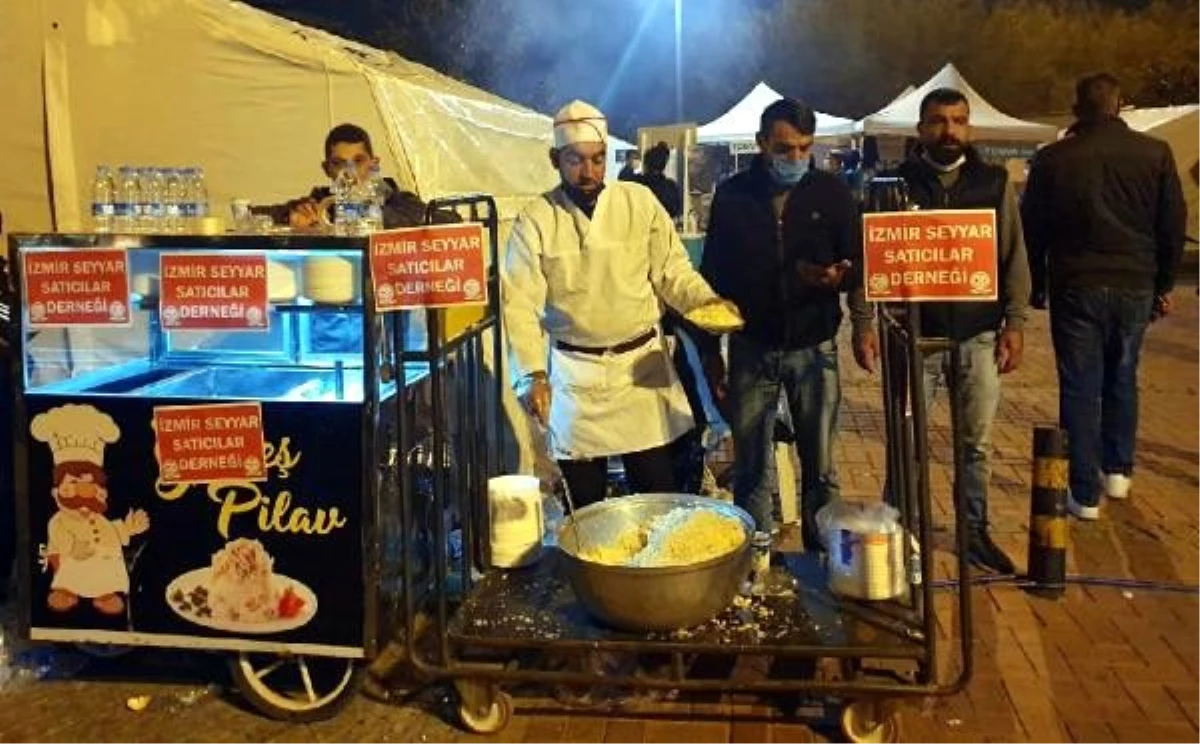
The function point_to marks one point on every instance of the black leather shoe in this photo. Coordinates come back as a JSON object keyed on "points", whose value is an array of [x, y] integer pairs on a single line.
{"points": [[982, 552]]}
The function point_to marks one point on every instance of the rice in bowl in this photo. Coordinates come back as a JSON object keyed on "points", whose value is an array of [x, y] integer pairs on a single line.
{"points": [[681, 537]]}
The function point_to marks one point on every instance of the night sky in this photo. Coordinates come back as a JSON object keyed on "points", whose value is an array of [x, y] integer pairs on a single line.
{"points": [[846, 57]]}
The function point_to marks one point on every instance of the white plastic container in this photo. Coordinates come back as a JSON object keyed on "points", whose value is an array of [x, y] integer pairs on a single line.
{"points": [[866, 549], [516, 520]]}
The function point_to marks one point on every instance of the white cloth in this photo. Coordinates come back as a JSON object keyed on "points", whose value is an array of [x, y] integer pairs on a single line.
{"points": [[579, 122], [88, 547], [597, 283]]}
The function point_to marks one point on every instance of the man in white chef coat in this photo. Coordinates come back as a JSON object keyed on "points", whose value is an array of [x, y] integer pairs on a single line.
{"points": [[588, 268]]}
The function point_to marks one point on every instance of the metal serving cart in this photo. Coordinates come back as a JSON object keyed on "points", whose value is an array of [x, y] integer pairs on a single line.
{"points": [[212, 442], [489, 628]]}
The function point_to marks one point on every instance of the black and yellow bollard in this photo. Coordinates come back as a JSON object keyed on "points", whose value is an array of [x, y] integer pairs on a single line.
{"points": [[1048, 513]]}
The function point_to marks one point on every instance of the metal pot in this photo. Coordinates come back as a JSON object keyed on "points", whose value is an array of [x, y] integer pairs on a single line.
{"points": [[649, 599]]}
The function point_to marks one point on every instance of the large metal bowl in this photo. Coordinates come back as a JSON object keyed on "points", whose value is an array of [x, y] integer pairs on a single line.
{"points": [[647, 599]]}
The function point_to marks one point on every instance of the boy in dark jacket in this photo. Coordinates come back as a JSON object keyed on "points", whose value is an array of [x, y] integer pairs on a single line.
{"points": [[348, 145]]}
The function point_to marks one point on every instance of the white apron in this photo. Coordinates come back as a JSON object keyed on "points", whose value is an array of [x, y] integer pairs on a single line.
{"points": [[614, 404], [103, 572]]}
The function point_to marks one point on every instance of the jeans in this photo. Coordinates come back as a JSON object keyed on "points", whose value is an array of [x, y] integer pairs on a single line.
{"points": [[1098, 336], [977, 391], [809, 378]]}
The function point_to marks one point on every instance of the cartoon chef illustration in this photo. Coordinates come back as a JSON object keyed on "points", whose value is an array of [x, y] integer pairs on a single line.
{"points": [[84, 547]]}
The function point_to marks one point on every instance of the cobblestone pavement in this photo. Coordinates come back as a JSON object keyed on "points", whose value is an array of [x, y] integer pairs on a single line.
{"points": [[1105, 663]]}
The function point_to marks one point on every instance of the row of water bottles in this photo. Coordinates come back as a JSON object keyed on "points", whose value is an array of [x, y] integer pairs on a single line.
{"points": [[148, 199], [358, 203]]}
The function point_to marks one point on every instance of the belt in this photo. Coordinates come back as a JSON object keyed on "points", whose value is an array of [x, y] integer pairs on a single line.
{"points": [[621, 348]]}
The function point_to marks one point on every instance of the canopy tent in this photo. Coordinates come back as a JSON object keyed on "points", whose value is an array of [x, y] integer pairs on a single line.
{"points": [[244, 94], [900, 117], [1179, 126], [740, 123]]}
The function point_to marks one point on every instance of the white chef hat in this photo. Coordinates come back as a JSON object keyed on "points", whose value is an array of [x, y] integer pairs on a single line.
{"points": [[579, 122], [75, 433]]}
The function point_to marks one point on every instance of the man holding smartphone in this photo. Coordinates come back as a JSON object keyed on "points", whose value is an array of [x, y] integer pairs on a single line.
{"points": [[944, 171], [783, 242]]}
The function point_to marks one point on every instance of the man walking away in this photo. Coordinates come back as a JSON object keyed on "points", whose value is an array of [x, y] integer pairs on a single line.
{"points": [[1105, 221]]}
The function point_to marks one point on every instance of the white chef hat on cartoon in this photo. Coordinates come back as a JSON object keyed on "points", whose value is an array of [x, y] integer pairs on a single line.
{"points": [[75, 433]]}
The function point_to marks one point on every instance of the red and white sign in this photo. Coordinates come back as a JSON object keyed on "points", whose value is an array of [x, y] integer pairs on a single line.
{"points": [[206, 443], [434, 266], [76, 287], [221, 291], [938, 255]]}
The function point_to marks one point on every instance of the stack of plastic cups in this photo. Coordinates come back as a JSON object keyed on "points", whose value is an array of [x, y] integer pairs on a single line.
{"points": [[515, 510]]}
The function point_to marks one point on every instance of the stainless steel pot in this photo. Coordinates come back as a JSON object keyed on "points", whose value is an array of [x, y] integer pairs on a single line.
{"points": [[648, 599]]}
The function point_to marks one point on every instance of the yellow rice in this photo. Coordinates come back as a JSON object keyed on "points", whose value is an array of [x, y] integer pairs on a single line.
{"points": [[682, 536]]}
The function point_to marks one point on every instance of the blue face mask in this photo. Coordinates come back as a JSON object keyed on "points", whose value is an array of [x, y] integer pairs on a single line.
{"points": [[788, 172]]}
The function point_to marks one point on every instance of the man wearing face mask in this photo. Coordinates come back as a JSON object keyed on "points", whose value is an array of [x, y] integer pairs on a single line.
{"points": [[945, 172], [783, 241], [586, 268]]}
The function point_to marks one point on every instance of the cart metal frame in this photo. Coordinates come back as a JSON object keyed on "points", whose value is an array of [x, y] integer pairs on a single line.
{"points": [[488, 627]]}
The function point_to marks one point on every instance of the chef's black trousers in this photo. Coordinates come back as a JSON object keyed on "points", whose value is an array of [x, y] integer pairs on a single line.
{"points": [[647, 471]]}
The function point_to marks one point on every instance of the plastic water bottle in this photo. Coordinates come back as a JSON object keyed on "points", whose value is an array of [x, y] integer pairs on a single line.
{"points": [[345, 208], [193, 206], [199, 188], [187, 201], [173, 198], [376, 195], [104, 200], [150, 209], [125, 211]]}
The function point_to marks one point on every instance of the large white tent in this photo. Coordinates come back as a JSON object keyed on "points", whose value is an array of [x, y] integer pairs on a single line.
{"points": [[1179, 126], [244, 94], [740, 123], [900, 117]]}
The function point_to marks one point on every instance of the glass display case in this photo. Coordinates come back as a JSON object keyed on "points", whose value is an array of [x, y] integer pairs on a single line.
{"points": [[311, 346]]}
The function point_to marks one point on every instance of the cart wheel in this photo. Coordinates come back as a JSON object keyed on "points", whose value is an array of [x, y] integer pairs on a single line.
{"points": [[870, 721], [494, 719], [296, 688]]}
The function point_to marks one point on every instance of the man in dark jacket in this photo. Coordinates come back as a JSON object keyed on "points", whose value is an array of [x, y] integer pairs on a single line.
{"points": [[657, 181], [781, 240], [631, 171], [945, 172], [1105, 221]]}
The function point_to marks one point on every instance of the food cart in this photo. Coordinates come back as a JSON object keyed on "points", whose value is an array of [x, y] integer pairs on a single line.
{"points": [[795, 640], [208, 447]]}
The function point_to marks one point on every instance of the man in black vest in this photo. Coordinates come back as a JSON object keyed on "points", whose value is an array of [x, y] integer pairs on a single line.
{"points": [[1105, 219], [945, 172]]}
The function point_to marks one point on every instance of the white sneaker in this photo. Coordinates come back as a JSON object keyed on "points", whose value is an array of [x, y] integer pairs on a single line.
{"points": [[1116, 485], [1086, 513]]}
